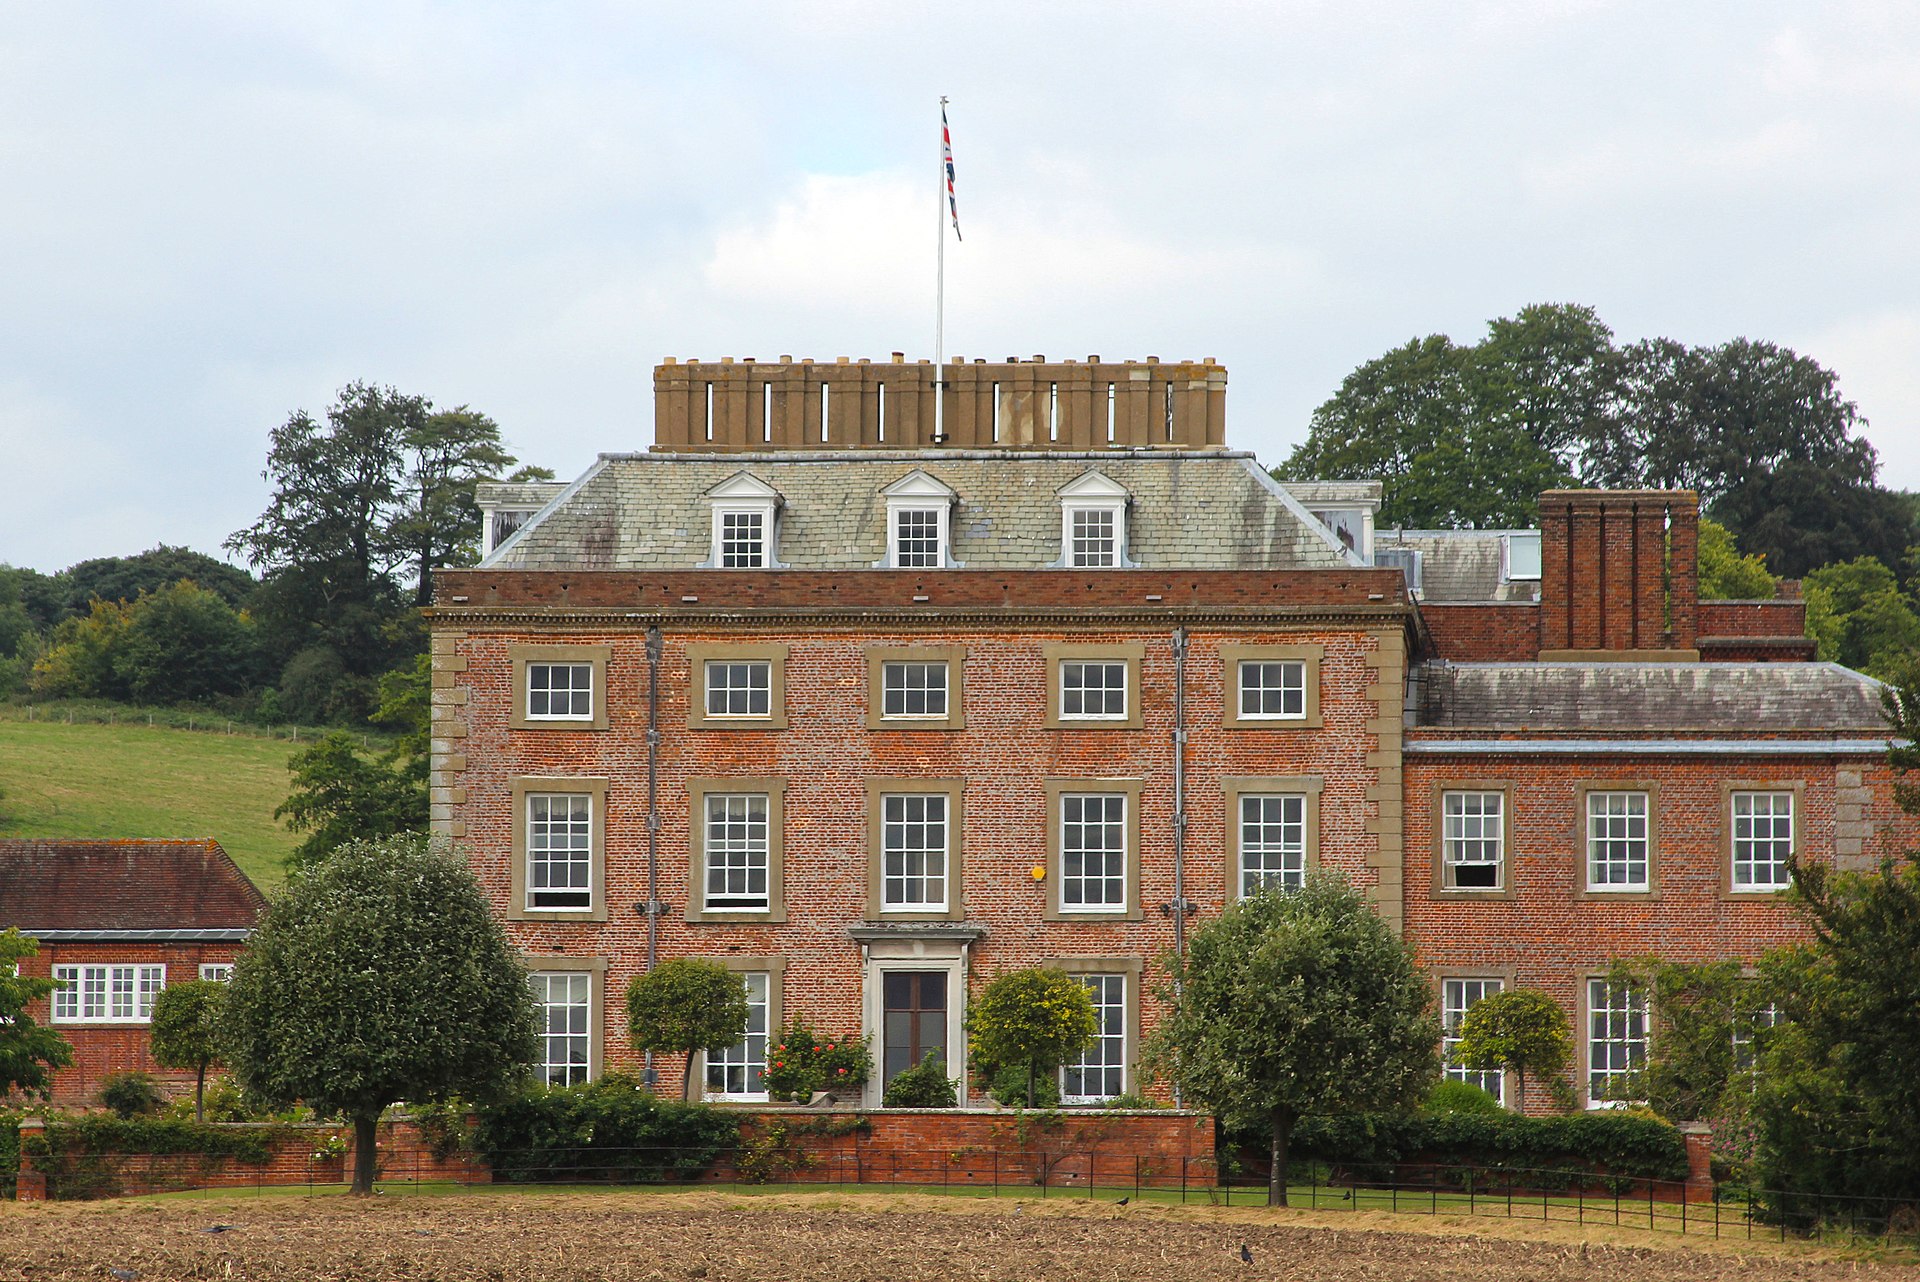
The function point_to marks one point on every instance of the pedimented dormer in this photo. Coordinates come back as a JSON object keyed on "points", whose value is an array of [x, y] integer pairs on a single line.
{"points": [[919, 522], [1093, 522], [746, 513]]}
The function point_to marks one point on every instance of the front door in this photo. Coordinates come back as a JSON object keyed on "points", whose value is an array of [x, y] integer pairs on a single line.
{"points": [[915, 1009]]}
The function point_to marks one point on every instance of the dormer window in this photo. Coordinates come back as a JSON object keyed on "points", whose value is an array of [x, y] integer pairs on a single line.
{"points": [[1093, 523], [744, 509], [919, 514]]}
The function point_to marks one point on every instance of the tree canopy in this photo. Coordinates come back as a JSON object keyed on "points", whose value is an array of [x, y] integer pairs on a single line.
{"points": [[376, 975], [1519, 1030], [186, 1032], [1034, 1019], [686, 1005], [340, 795], [29, 1051], [1297, 1003]]}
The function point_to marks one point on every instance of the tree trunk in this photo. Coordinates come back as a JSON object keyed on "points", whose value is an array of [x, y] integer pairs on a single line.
{"points": [[1520, 1092], [1277, 1177], [686, 1090], [364, 1125], [1031, 1074], [200, 1095]]}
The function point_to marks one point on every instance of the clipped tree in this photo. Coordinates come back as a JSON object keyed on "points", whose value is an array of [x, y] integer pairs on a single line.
{"points": [[376, 975], [1297, 1003], [29, 1050], [1034, 1019], [186, 1032], [686, 1005], [1520, 1031]]}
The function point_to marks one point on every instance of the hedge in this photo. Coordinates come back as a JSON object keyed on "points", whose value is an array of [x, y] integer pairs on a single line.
{"points": [[77, 1154], [9, 1153], [609, 1131]]}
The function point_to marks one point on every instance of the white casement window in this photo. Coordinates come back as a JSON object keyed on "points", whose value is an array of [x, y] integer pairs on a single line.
{"points": [[1457, 997], [1520, 552], [565, 1001], [216, 972], [914, 690], [1273, 842], [744, 513], [559, 851], [1473, 840], [739, 1071], [106, 994], [739, 687], [913, 850], [1093, 523], [1273, 691], [1762, 840], [559, 691], [1616, 1040], [1101, 1071], [1749, 1027], [919, 515], [1093, 852], [737, 845], [1405, 560], [1093, 690], [1617, 841]]}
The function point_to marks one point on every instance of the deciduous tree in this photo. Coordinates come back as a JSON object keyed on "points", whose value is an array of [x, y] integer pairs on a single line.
{"points": [[1297, 1003], [686, 1005], [339, 796], [29, 1051], [1520, 1031], [186, 1032], [1035, 1019]]}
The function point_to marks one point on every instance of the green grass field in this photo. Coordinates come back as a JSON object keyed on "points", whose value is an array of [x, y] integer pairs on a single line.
{"points": [[84, 780]]}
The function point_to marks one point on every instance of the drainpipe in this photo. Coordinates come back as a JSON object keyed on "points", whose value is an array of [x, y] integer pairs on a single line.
{"points": [[654, 647], [1180, 905]]}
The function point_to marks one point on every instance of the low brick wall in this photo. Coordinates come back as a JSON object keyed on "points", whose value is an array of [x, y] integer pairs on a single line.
{"points": [[403, 1154]]}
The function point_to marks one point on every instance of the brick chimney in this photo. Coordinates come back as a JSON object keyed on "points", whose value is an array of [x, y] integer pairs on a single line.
{"points": [[1619, 578]]}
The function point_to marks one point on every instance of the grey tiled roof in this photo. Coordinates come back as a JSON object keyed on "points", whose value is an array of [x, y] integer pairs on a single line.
{"points": [[516, 494], [1459, 565], [1754, 698], [1209, 510]]}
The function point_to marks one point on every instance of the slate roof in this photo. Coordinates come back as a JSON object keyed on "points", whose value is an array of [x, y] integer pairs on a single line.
{"points": [[122, 886], [1459, 565], [1188, 510], [1743, 698]]}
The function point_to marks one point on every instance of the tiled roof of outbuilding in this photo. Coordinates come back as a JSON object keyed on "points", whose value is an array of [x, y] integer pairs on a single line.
{"points": [[1189, 510], [1747, 698], [124, 886]]}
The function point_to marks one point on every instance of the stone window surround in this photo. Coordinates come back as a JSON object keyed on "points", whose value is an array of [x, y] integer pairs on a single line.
{"points": [[520, 656], [1131, 653], [773, 654], [775, 968], [955, 657], [595, 788], [1441, 890], [1583, 1034], [1582, 859], [1059, 788], [698, 789], [595, 968], [1233, 654], [1236, 787], [954, 791], [1132, 969], [1509, 980], [1797, 788]]}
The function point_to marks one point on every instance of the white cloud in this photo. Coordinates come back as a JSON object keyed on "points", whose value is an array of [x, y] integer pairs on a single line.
{"points": [[1874, 357]]}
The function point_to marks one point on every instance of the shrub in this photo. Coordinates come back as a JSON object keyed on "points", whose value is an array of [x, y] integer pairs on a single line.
{"points": [[1036, 1018], [925, 1085], [225, 1102], [802, 1062], [612, 1130], [131, 1094], [1009, 1088], [1452, 1096], [1132, 1100]]}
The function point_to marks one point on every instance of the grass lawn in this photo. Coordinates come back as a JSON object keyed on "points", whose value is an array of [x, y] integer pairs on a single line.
{"points": [[86, 780]]}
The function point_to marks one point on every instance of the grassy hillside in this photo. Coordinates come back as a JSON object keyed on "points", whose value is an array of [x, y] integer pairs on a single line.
{"points": [[83, 780]]}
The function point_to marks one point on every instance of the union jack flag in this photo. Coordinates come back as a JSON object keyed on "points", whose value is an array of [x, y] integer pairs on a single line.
{"points": [[946, 154]]}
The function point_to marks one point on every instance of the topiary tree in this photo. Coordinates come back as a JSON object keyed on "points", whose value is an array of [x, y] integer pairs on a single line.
{"points": [[1520, 1031], [377, 975], [686, 1005], [29, 1050], [1296, 1003], [1033, 1020], [186, 1032]]}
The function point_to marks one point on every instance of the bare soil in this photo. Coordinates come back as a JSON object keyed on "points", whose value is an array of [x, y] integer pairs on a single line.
{"points": [[705, 1237]]}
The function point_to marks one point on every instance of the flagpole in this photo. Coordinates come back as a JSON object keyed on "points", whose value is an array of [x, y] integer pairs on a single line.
{"points": [[940, 286]]}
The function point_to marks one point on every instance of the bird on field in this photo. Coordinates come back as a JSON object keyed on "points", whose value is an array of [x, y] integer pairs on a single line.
{"points": [[125, 1275], [1123, 1201], [218, 1228], [1246, 1256]]}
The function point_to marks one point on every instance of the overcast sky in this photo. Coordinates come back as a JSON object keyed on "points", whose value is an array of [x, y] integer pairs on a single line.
{"points": [[214, 213]]}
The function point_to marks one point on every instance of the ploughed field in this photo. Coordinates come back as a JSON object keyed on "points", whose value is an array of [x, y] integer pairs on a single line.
{"points": [[831, 1238]]}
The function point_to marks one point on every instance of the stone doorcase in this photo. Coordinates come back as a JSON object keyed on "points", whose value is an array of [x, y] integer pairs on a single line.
{"points": [[908, 947]]}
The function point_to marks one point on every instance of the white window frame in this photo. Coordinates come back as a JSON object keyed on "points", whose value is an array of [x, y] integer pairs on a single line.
{"points": [[582, 856], [1507, 571], [1597, 840], [917, 492], [732, 551], [896, 810], [1292, 871], [896, 518], [1458, 995], [578, 1008], [1125, 688], [744, 494], [108, 993], [1289, 668], [1091, 494], [754, 852], [1108, 905], [217, 972], [1750, 864], [1614, 1011], [1463, 832], [1107, 1056], [1747, 1026], [593, 695], [888, 688], [746, 1059], [764, 667]]}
